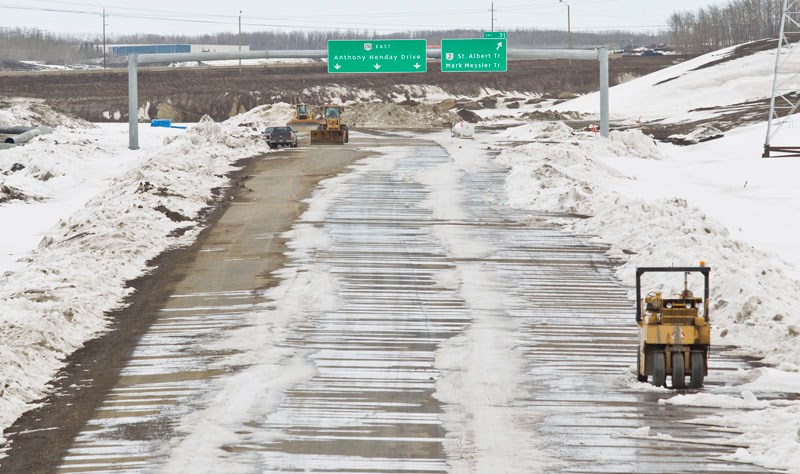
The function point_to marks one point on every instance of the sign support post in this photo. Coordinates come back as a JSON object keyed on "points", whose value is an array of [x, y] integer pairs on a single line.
{"points": [[133, 102], [602, 57]]}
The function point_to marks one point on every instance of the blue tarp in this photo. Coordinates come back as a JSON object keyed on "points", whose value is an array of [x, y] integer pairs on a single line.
{"points": [[166, 123]]}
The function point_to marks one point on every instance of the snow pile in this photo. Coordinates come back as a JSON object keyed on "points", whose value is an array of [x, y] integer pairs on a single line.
{"points": [[56, 302], [35, 171], [539, 182], [33, 113], [538, 131], [259, 117]]}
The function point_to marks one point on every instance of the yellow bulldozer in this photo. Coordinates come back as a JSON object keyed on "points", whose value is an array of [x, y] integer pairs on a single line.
{"points": [[674, 337], [332, 129], [304, 119]]}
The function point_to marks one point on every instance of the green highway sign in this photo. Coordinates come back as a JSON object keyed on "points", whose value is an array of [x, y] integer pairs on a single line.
{"points": [[495, 34], [377, 56], [474, 55]]}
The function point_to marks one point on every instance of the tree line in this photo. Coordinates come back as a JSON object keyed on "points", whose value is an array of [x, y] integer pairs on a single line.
{"points": [[520, 38], [718, 26], [40, 45]]}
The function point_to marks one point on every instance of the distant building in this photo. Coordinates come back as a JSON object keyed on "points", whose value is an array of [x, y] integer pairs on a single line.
{"points": [[126, 49], [217, 48]]}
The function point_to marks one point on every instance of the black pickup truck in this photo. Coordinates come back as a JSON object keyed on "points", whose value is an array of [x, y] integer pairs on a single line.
{"points": [[281, 136]]}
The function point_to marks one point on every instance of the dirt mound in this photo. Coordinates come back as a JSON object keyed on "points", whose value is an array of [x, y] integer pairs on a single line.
{"points": [[468, 116], [397, 115], [550, 115], [723, 119]]}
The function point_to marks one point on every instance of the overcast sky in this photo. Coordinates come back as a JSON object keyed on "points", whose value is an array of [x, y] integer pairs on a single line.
{"points": [[207, 16]]}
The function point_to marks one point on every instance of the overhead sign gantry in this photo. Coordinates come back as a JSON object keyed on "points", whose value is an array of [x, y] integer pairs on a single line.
{"points": [[402, 63]]}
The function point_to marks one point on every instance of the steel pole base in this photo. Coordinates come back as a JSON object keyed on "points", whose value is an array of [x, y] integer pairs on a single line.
{"points": [[780, 151]]}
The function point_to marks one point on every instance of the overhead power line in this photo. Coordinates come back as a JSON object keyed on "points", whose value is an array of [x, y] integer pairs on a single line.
{"points": [[300, 24]]}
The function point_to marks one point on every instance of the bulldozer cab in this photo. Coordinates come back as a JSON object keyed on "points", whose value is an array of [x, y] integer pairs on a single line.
{"points": [[304, 119], [332, 112], [301, 111]]}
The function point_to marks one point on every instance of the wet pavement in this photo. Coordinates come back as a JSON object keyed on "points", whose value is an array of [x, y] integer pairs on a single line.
{"points": [[410, 282]]}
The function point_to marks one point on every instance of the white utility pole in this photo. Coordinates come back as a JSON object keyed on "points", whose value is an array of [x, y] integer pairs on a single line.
{"points": [[240, 40]]}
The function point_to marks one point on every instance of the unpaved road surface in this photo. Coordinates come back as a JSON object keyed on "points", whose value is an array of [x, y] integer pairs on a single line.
{"points": [[234, 257], [436, 331]]}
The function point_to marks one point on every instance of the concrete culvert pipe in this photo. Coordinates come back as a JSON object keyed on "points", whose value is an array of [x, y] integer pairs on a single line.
{"points": [[14, 130], [26, 136]]}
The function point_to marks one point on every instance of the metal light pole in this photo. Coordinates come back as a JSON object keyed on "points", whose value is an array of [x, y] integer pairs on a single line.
{"points": [[569, 23], [104, 38], [240, 40]]}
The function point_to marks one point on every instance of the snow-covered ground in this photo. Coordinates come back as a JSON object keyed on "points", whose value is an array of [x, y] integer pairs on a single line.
{"points": [[673, 94]]}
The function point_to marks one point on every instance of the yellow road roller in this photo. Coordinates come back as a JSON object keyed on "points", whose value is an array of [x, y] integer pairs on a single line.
{"points": [[674, 337]]}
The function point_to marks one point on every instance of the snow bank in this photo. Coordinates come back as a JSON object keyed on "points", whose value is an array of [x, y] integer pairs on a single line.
{"points": [[34, 112], [752, 306], [58, 300], [538, 131]]}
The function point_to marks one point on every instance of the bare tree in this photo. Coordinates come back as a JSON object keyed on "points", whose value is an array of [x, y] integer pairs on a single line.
{"points": [[713, 27], [34, 44]]}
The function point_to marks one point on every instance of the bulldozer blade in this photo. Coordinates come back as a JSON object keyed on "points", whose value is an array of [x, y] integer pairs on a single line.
{"points": [[303, 126], [327, 137]]}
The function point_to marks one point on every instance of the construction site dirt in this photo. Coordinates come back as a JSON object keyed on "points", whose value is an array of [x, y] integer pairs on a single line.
{"points": [[187, 94]]}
